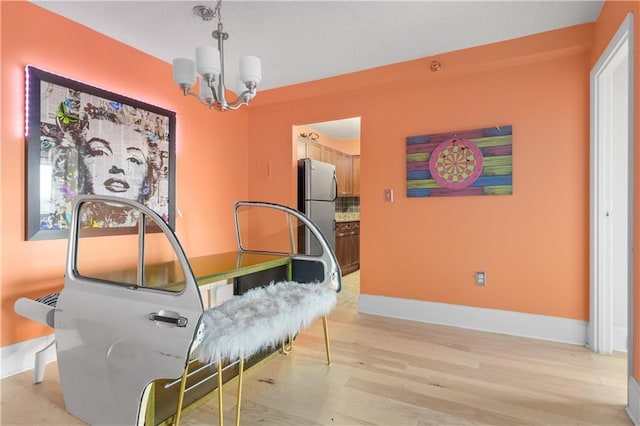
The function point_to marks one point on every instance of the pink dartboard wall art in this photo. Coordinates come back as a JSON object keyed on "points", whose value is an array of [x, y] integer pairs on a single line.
{"points": [[456, 163], [469, 162]]}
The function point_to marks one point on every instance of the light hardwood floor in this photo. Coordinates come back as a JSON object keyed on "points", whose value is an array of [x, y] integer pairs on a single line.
{"points": [[393, 372]]}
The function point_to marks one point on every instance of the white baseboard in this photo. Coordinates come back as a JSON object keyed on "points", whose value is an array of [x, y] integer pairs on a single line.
{"points": [[633, 404], [20, 357], [492, 320], [619, 338]]}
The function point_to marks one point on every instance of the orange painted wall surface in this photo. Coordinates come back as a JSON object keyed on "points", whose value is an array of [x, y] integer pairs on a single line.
{"points": [[351, 146], [611, 16], [534, 244], [211, 149]]}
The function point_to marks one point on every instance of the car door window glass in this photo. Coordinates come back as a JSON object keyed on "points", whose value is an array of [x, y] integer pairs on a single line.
{"points": [[275, 231], [117, 259]]}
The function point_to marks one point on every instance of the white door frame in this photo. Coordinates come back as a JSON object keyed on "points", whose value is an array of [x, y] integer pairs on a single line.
{"points": [[600, 321]]}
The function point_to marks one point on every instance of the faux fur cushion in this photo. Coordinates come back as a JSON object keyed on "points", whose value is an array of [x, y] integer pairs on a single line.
{"points": [[261, 318]]}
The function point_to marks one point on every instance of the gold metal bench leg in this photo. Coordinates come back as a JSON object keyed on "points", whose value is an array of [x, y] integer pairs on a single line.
{"points": [[220, 405], [150, 412], [241, 367], [183, 384], [325, 325], [287, 347]]}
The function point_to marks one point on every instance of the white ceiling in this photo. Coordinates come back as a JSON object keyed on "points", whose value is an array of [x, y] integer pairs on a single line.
{"points": [[301, 41]]}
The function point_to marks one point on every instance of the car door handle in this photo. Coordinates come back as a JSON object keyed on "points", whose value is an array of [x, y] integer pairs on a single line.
{"points": [[179, 321]]}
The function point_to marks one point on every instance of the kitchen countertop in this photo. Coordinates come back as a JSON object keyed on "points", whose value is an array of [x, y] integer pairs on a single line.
{"points": [[347, 217]]}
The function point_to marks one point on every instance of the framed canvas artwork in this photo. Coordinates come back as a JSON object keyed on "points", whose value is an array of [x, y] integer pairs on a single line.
{"points": [[86, 140], [467, 162]]}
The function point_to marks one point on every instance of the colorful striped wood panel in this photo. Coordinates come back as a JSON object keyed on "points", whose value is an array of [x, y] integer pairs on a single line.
{"points": [[442, 174]]}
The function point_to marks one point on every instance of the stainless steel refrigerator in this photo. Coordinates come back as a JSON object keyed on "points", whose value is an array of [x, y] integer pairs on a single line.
{"points": [[317, 193]]}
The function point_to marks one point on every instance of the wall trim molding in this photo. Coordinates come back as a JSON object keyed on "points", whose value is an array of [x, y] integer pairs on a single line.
{"points": [[20, 357], [535, 326], [633, 401]]}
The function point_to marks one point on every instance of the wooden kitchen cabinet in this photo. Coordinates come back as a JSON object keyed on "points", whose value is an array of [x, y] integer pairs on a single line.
{"points": [[314, 150], [355, 175], [309, 149], [348, 246], [343, 172], [329, 155]]}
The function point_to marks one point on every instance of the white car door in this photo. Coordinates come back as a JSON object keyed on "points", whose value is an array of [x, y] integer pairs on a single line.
{"points": [[128, 312]]}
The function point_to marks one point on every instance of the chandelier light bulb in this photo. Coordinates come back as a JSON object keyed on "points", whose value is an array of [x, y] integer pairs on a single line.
{"points": [[250, 69], [208, 61], [184, 72]]}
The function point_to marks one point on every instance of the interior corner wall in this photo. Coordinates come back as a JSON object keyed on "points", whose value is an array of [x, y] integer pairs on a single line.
{"points": [[211, 149], [533, 245], [608, 22]]}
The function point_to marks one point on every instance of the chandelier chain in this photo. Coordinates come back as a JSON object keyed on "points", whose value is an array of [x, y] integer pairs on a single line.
{"points": [[218, 11]]}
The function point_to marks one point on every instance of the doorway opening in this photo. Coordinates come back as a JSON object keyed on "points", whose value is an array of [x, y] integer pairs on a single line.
{"points": [[338, 142]]}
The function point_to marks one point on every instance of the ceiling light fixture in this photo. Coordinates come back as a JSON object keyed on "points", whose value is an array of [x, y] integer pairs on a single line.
{"points": [[209, 64]]}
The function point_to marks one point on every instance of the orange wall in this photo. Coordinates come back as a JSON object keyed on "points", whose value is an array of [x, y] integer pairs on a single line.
{"points": [[211, 149], [351, 146], [534, 244], [611, 16]]}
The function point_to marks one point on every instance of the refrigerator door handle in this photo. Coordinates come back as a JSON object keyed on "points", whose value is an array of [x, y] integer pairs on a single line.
{"points": [[335, 187]]}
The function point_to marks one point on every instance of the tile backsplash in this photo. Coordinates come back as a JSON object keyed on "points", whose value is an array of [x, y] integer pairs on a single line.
{"points": [[348, 205]]}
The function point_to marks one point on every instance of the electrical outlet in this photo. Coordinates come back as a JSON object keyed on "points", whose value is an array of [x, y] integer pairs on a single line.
{"points": [[388, 195], [481, 278]]}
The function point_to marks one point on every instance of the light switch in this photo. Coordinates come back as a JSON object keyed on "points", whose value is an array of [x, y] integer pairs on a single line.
{"points": [[388, 195]]}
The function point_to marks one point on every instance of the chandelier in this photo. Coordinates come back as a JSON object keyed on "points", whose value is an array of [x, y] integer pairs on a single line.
{"points": [[209, 65]]}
